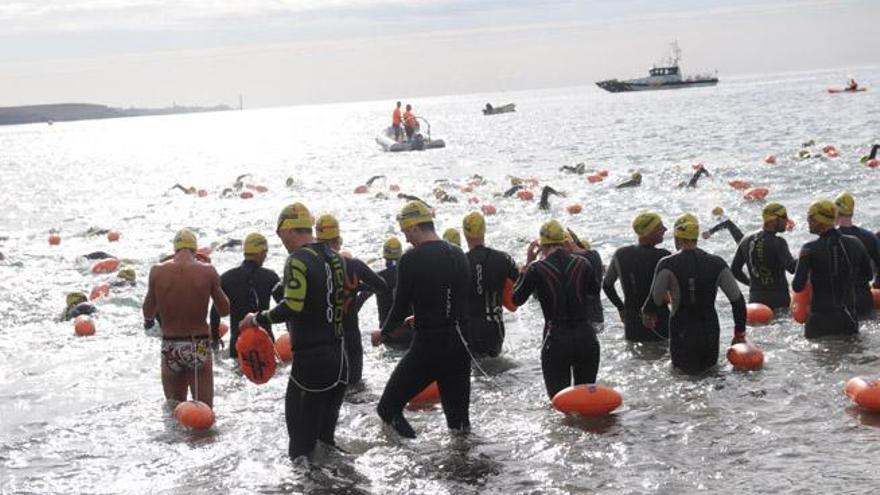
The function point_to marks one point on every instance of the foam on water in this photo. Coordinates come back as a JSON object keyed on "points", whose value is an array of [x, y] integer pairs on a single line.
{"points": [[87, 414]]}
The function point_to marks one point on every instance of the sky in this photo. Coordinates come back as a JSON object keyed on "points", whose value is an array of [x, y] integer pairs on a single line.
{"points": [[152, 53]]}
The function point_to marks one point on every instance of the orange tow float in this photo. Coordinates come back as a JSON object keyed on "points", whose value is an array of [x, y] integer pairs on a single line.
{"points": [[256, 354], [758, 314], [864, 392], [587, 400], [427, 397], [745, 356], [83, 326], [194, 414]]}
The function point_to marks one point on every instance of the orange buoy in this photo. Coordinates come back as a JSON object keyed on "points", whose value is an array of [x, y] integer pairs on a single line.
{"points": [[256, 354], [105, 266], [833, 154], [740, 185], [283, 348], [856, 385], [587, 400], [873, 163], [194, 414], [771, 159], [593, 179], [246, 195], [602, 173], [756, 194], [828, 148], [574, 209], [83, 325], [222, 329], [525, 195], [113, 235], [473, 200], [869, 398], [488, 210], [800, 304], [54, 239], [100, 291], [467, 189], [261, 189], [758, 314], [394, 188], [427, 397], [745, 356], [362, 189], [202, 193], [875, 293]]}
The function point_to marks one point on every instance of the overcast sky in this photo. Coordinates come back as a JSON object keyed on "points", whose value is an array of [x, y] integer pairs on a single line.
{"points": [[282, 52]]}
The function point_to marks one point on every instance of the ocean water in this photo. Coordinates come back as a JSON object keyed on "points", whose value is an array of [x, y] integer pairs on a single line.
{"points": [[87, 415]]}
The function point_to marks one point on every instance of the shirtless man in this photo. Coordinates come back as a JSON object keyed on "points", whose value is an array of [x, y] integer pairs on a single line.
{"points": [[178, 291]]}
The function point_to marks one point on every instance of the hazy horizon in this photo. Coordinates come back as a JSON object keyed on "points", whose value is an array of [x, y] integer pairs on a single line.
{"points": [[150, 53]]}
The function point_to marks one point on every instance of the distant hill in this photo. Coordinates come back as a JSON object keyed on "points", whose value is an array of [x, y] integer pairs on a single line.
{"points": [[84, 111]]}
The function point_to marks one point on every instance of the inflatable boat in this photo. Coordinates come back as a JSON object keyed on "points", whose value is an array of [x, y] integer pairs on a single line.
{"points": [[418, 142]]}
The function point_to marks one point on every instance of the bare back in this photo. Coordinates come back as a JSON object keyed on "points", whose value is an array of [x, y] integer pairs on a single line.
{"points": [[179, 292]]}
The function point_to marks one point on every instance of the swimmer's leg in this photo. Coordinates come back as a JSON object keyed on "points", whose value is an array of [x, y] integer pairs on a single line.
{"points": [[205, 374], [409, 378], [302, 417], [331, 402], [586, 363], [454, 384], [556, 362], [174, 384]]}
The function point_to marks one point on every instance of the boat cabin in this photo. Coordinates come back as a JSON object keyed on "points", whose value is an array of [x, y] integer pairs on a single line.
{"points": [[664, 71]]}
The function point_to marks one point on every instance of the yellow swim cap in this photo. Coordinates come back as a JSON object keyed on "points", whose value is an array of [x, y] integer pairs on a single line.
{"points": [[392, 250], [127, 274], [846, 204], [774, 211], [687, 227], [717, 211], [474, 225], [294, 216], [645, 223], [823, 211], [326, 227], [185, 239], [74, 298], [452, 236], [414, 213], [255, 243], [552, 233]]}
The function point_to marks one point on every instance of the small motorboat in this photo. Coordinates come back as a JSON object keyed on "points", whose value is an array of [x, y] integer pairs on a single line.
{"points": [[490, 110], [418, 141]]}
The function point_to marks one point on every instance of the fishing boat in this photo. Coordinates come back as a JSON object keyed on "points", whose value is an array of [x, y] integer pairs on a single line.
{"points": [[418, 141], [666, 75]]}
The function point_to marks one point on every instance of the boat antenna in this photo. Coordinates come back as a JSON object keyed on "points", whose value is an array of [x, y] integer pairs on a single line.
{"points": [[676, 53]]}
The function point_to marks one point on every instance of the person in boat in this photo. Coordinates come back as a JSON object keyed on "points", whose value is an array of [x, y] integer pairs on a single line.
{"points": [[489, 108], [767, 258], [410, 123], [852, 85], [395, 122], [846, 206]]}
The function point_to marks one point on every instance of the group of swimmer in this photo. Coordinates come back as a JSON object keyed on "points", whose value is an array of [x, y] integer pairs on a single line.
{"points": [[445, 306]]}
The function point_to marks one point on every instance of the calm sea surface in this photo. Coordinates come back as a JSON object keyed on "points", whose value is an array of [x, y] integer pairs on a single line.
{"points": [[87, 414]]}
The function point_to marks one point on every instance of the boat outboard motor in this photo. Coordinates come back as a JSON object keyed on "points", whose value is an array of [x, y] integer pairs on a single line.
{"points": [[418, 142]]}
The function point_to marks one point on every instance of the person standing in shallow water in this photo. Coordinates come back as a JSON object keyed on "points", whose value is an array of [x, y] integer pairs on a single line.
{"points": [[433, 279], [634, 267], [562, 281], [846, 206], [391, 252], [312, 307], [768, 258], [179, 291], [831, 264], [692, 277]]}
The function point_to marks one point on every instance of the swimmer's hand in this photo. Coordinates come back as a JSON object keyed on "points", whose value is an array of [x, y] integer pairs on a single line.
{"points": [[376, 338], [739, 337], [533, 251], [707, 234], [410, 321], [250, 320], [149, 323]]}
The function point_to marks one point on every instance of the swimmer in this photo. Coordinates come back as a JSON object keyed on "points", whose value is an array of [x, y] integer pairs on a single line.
{"points": [[126, 277], [444, 197], [846, 206], [391, 252], [452, 236], [692, 278], [578, 169], [433, 282], [98, 255], [180, 289], [230, 244], [635, 180], [490, 270], [513, 189], [238, 184], [545, 197], [561, 280], [701, 171], [186, 190], [634, 266], [768, 258], [374, 179], [312, 308], [724, 223], [249, 288], [76, 304], [410, 197]]}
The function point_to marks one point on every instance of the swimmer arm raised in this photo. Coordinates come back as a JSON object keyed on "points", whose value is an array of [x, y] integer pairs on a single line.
{"points": [[608, 284], [739, 259], [727, 284]]}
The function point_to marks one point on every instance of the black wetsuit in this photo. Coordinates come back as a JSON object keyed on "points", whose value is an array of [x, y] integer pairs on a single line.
{"points": [[249, 288], [490, 269], [401, 338], [634, 266], [768, 258], [693, 277], [83, 308], [433, 280], [864, 299], [731, 227], [563, 282], [595, 313], [831, 264], [358, 276], [314, 277], [696, 177]]}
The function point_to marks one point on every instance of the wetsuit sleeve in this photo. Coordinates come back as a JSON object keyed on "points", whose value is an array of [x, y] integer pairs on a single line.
{"points": [[785, 257], [802, 271], [218, 297], [510, 270], [294, 299], [461, 289], [659, 287], [278, 291], [370, 279], [728, 285], [731, 227], [403, 295], [608, 284], [524, 286], [739, 259]]}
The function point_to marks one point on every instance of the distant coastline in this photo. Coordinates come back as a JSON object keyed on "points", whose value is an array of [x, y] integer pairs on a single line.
{"points": [[66, 112]]}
